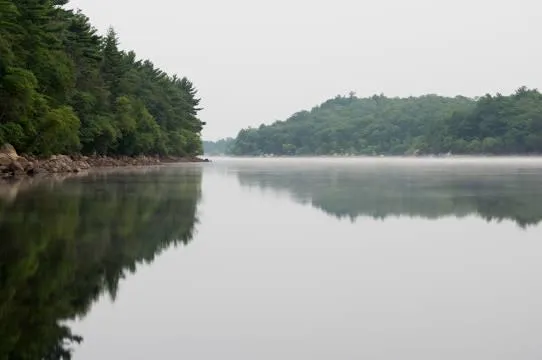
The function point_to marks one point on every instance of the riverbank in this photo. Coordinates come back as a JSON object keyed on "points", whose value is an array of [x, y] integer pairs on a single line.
{"points": [[13, 165]]}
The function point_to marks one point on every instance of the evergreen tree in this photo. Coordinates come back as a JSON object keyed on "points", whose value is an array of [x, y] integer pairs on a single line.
{"points": [[64, 88]]}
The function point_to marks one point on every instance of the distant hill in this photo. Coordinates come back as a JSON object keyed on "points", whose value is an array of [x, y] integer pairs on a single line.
{"points": [[220, 147], [380, 125]]}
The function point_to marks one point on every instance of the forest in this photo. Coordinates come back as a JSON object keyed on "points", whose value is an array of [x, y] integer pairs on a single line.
{"points": [[380, 125], [66, 89], [65, 243]]}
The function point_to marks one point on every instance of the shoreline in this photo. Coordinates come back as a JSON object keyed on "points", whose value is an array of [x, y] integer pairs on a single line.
{"points": [[406, 157], [14, 166]]}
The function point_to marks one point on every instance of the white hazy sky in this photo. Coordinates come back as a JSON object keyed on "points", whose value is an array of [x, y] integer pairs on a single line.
{"points": [[258, 61]]}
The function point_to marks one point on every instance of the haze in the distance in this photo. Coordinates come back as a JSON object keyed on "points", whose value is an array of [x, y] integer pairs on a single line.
{"points": [[255, 62]]}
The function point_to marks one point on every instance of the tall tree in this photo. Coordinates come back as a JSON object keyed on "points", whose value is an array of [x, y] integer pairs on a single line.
{"points": [[64, 88]]}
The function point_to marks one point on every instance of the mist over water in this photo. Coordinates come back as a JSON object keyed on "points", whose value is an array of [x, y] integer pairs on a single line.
{"points": [[492, 188]]}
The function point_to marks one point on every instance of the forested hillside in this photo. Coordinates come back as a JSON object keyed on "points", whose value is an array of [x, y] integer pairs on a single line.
{"points": [[66, 89], [397, 126]]}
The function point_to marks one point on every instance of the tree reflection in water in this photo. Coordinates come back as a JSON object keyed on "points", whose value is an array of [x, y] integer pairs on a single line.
{"points": [[65, 243]]}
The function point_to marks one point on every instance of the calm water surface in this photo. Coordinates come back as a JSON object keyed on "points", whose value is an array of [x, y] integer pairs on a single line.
{"points": [[278, 259]]}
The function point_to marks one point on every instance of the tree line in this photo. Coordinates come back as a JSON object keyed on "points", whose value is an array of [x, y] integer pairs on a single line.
{"points": [[66, 89], [380, 125]]}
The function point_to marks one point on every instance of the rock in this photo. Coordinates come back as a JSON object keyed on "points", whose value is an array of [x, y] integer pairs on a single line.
{"points": [[16, 168], [12, 165], [30, 158], [29, 165], [24, 163], [82, 165], [64, 158], [34, 170], [5, 160], [7, 154], [62, 164], [9, 150]]}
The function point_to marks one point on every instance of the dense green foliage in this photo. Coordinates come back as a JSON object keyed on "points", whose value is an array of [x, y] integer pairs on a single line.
{"points": [[351, 189], [65, 89], [63, 244], [496, 125], [220, 147], [397, 126]]}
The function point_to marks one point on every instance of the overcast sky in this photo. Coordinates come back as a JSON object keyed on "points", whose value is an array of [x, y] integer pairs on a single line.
{"points": [[258, 61]]}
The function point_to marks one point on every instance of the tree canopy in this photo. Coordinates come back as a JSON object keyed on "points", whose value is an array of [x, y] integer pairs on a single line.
{"points": [[380, 125], [66, 89]]}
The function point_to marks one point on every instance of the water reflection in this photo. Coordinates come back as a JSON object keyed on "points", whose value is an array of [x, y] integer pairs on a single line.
{"points": [[64, 242], [492, 189]]}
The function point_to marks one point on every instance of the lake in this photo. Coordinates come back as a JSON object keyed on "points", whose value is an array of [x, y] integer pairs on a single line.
{"points": [[323, 258]]}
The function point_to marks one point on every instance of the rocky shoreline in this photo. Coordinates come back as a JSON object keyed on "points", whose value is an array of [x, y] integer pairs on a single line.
{"points": [[13, 165]]}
